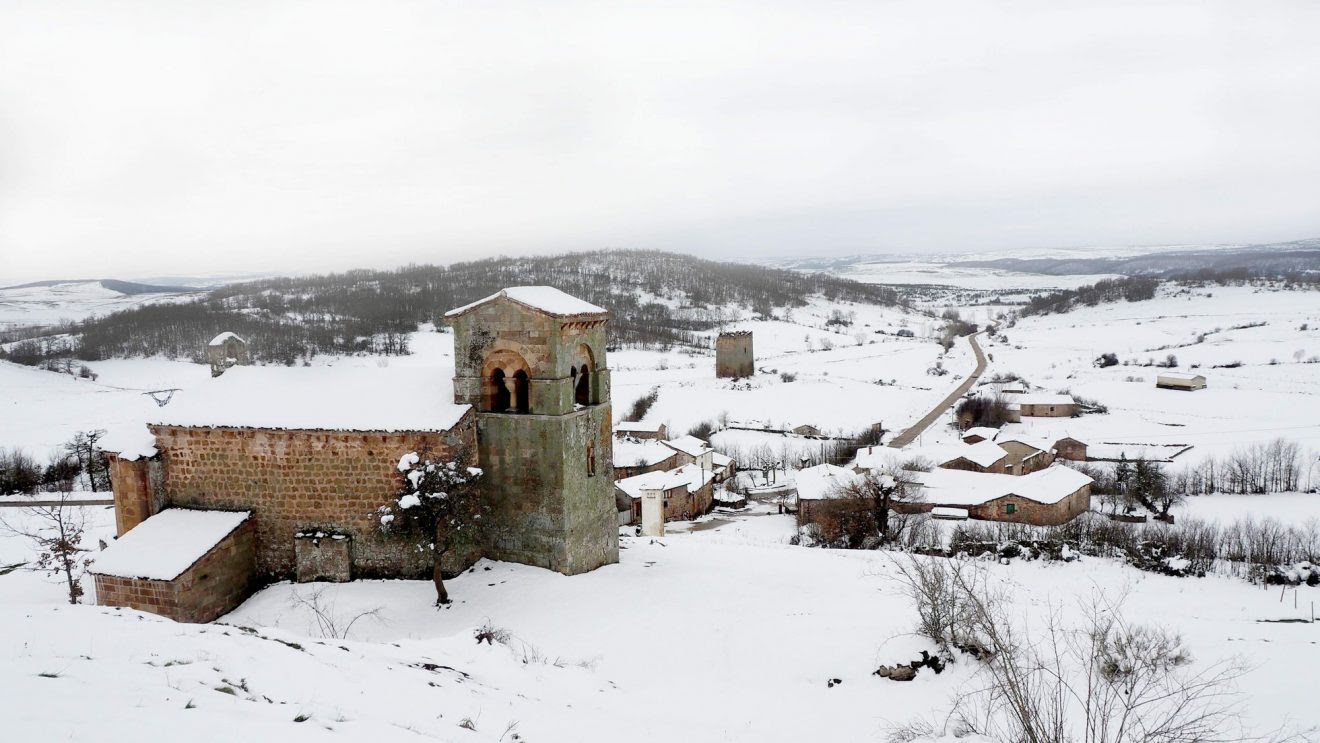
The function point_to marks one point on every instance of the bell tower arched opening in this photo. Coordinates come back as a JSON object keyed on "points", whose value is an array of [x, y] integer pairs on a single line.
{"points": [[507, 383]]}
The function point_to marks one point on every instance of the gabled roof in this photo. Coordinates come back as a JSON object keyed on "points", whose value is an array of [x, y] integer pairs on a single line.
{"points": [[943, 487], [631, 452], [219, 340], [823, 481], [689, 476], [343, 397], [1026, 440], [1042, 398], [985, 432], [636, 426], [690, 445], [545, 299], [1183, 376]]}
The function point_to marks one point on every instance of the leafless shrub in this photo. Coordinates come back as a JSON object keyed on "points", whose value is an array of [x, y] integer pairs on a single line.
{"points": [[330, 623], [491, 635]]}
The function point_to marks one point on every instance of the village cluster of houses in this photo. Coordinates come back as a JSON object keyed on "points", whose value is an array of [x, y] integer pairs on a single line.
{"points": [[684, 471], [987, 475]]}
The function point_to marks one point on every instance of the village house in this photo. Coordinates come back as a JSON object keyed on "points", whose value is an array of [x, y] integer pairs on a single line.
{"points": [[1180, 381], [1025, 454], [641, 430], [1042, 405], [692, 450], [687, 491], [638, 456], [293, 453], [977, 434], [805, 429], [1048, 497], [819, 483], [1071, 449]]}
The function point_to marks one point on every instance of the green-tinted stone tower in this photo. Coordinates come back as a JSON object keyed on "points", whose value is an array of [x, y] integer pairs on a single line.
{"points": [[531, 361]]}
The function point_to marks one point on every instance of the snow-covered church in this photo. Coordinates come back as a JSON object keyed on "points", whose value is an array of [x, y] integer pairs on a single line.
{"points": [[275, 473]]}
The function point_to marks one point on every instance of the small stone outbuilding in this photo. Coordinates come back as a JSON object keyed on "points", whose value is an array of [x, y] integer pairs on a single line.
{"points": [[188, 565], [226, 350]]}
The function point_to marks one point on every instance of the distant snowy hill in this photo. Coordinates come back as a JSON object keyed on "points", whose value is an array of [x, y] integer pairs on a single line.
{"points": [[52, 302], [1298, 256]]}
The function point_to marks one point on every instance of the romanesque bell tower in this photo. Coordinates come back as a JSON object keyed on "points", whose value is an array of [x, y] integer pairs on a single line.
{"points": [[531, 361]]}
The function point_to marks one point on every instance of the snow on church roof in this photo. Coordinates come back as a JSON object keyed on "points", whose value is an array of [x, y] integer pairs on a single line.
{"points": [[165, 545], [545, 298], [334, 398]]}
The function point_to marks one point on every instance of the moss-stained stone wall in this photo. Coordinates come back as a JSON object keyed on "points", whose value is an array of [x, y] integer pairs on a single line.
{"points": [[550, 512]]}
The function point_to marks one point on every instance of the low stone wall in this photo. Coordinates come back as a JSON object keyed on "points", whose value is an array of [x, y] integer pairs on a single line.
{"points": [[219, 581]]}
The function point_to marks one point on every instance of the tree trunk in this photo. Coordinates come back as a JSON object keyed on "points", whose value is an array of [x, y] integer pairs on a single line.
{"points": [[441, 594]]}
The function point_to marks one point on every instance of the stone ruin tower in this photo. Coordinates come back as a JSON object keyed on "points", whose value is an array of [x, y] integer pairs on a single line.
{"points": [[531, 361], [226, 350], [733, 355]]}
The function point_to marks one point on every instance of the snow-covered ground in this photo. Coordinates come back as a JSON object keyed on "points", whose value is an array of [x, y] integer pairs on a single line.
{"points": [[719, 632]]}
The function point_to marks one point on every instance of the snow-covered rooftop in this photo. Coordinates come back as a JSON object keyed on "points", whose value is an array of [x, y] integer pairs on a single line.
{"points": [[637, 427], [961, 488], [219, 340], [1028, 440], [129, 441], [690, 445], [823, 481], [337, 398], [689, 476], [984, 432], [1041, 398], [949, 512], [165, 545], [544, 298], [1181, 376], [631, 452]]}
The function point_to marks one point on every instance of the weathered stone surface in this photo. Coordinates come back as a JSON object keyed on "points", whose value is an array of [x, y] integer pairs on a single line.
{"points": [[210, 588], [733, 355], [322, 555]]}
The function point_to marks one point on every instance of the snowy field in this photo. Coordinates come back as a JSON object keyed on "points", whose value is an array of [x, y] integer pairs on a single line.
{"points": [[720, 632]]}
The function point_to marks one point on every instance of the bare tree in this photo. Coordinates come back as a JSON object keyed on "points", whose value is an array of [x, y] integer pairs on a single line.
{"points": [[1101, 680], [56, 531]]}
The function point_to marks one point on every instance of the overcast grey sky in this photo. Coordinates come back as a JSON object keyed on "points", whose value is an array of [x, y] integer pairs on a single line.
{"points": [[165, 137]]}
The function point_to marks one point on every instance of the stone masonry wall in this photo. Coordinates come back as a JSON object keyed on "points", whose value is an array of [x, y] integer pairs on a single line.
{"points": [[296, 481], [550, 512], [210, 588]]}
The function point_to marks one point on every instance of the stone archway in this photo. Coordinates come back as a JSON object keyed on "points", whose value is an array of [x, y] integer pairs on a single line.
{"points": [[506, 382], [584, 377]]}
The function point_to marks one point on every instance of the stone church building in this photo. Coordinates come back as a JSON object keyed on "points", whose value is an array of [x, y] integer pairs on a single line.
{"points": [[299, 461]]}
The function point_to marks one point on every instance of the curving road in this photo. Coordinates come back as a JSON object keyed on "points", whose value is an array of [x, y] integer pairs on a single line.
{"points": [[905, 438]]}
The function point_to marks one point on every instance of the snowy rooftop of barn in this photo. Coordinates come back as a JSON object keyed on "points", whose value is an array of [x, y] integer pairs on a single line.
{"points": [[544, 298], [961, 488], [637, 427], [984, 432], [631, 453], [689, 445], [1181, 376], [335, 398], [689, 475], [165, 545], [822, 481], [1041, 398]]}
